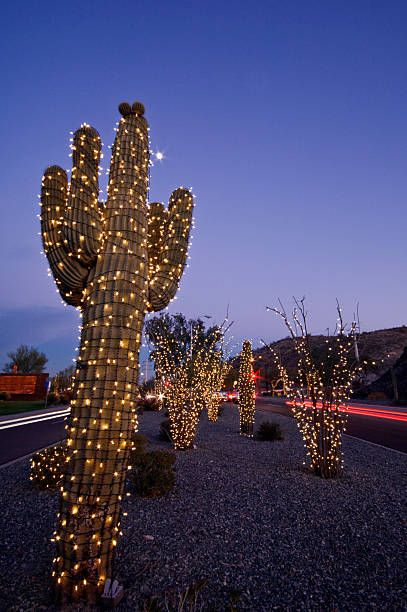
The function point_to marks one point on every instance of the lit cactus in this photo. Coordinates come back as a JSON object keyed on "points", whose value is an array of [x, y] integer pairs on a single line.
{"points": [[218, 370], [115, 261], [247, 390]]}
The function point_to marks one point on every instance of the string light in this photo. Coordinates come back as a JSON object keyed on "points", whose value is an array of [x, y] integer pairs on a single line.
{"points": [[187, 380], [247, 390], [114, 261], [319, 392]]}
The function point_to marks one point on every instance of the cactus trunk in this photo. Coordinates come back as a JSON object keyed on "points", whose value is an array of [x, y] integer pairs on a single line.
{"points": [[100, 260], [247, 391]]}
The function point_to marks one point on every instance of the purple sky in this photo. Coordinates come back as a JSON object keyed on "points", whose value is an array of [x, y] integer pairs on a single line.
{"points": [[287, 118]]}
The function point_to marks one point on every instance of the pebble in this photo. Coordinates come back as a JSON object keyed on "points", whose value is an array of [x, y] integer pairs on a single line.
{"points": [[245, 517]]}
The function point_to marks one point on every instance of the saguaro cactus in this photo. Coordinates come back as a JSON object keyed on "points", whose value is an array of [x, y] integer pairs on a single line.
{"points": [[115, 261], [247, 398]]}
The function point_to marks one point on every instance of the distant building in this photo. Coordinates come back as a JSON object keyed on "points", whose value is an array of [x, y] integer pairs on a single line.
{"points": [[24, 386]]}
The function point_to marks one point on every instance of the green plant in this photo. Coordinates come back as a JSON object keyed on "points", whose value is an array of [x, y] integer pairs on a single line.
{"points": [[27, 359], [139, 443], [5, 396], [165, 430], [65, 398], [269, 431], [149, 404], [46, 466], [152, 473], [53, 398], [176, 600]]}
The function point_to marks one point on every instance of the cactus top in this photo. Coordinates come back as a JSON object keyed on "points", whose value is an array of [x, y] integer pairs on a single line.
{"points": [[136, 109]]}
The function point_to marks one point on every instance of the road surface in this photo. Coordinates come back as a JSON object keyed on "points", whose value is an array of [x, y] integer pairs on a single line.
{"points": [[28, 431], [385, 425]]}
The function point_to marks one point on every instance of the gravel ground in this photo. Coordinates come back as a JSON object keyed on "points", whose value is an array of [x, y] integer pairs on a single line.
{"points": [[246, 517]]}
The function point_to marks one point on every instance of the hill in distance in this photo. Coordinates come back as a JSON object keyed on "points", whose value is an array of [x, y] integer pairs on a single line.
{"points": [[380, 349]]}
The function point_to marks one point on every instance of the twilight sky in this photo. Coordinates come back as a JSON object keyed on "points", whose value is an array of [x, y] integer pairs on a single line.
{"points": [[287, 118]]}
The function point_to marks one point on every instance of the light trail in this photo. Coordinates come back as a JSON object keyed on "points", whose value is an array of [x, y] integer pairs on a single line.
{"points": [[378, 413], [34, 418]]}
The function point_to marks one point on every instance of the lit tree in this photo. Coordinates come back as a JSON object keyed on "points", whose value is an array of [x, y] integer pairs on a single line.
{"points": [[320, 390], [184, 356], [185, 394], [114, 261], [62, 381], [247, 391]]}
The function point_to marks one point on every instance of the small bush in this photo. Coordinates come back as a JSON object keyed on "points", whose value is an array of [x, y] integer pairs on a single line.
{"points": [[165, 431], [5, 396], [52, 398], [152, 473], [149, 404], [269, 431], [139, 443], [187, 600], [46, 467], [65, 398]]}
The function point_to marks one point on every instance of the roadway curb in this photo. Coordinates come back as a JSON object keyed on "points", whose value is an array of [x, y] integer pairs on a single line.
{"points": [[38, 450], [388, 448]]}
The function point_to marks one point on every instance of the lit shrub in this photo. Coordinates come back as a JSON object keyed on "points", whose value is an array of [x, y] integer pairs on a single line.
{"points": [[46, 467], [152, 473], [269, 431]]}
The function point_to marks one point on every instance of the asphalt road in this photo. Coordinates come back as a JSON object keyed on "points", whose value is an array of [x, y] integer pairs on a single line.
{"points": [[387, 432], [21, 440]]}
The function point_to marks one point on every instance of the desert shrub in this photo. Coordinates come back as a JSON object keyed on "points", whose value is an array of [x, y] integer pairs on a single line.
{"points": [[150, 404], [65, 398], [5, 396], [139, 443], [152, 473], [165, 430], [53, 398], [177, 600], [46, 466], [269, 431]]}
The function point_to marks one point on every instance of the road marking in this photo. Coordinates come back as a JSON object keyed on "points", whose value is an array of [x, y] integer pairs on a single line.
{"points": [[34, 416], [30, 420]]}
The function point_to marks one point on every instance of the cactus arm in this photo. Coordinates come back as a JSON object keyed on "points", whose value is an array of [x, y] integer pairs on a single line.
{"points": [[82, 229], [163, 284], [69, 274], [157, 217]]}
